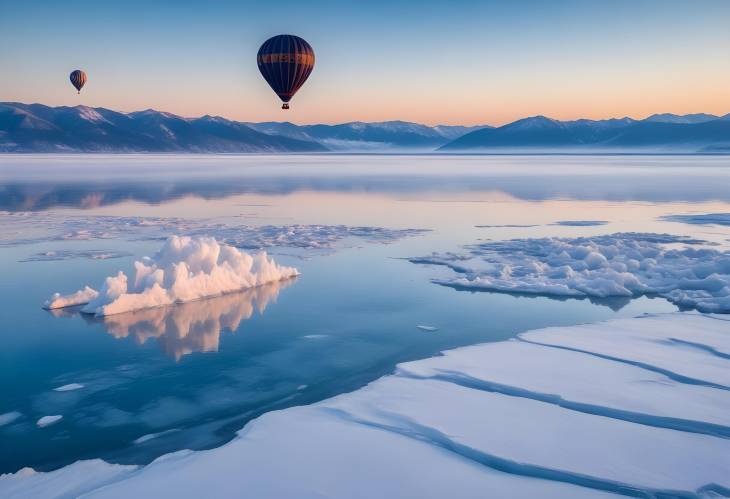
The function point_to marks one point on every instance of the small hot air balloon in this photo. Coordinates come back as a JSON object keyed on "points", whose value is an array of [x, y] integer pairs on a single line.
{"points": [[78, 79], [285, 62]]}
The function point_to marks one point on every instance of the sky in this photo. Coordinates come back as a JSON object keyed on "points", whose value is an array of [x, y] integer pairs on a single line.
{"points": [[434, 62]]}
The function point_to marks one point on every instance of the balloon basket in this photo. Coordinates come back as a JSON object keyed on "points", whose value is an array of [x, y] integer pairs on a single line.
{"points": [[285, 106]]}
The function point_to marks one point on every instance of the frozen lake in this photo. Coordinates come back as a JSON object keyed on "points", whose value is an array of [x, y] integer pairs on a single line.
{"points": [[131, 387]]}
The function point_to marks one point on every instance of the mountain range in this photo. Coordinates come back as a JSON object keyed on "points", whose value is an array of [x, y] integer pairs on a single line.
{"points": [[657, 133], [40, 128]]}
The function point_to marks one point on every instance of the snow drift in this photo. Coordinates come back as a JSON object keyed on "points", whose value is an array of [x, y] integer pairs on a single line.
{"points": [[614, 265], [185, 269]]}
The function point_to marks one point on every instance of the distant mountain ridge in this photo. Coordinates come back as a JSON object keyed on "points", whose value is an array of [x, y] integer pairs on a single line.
{"points": [[657, 133], [40, 128], [361, 136]]}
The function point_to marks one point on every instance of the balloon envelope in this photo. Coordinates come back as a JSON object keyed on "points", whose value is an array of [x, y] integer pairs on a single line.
{"points": [[78, 79], [285, 62]]}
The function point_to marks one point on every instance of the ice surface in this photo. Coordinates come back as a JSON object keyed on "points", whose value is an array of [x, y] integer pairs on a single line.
{"points": [[69, 482], [69, 387], [614, 265], [581, 382], [315, 453], [557, 413], [695, 350], [48, 420], [185, 269]]}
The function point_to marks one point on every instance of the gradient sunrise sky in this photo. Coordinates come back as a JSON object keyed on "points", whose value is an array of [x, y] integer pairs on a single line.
{"points": [[434, 62]]}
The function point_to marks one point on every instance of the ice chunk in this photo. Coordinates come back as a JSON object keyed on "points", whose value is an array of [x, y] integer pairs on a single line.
{"points": [[426, 328], [69, 387], [9, 417], [185, 269], [80, 297], [615, 265], [48, 420]]}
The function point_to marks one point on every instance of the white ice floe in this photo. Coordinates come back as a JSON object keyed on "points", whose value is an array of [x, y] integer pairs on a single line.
{"points": [[423, 327], [9, 417], [185, 269], [68, 388], [152, 436], [80, 297], [614, 265], [558, 413], [48, 420], [700, 219]]}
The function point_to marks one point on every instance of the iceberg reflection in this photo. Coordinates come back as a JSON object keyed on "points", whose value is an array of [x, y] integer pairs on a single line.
{"points": [[193, 326]]}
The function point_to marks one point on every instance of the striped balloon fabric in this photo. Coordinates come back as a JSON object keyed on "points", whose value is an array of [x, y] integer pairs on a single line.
{"points": [[285, 62], [78, 79]]}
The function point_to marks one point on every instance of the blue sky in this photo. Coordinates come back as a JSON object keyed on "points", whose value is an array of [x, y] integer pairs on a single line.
{"points": [[435, 62]]}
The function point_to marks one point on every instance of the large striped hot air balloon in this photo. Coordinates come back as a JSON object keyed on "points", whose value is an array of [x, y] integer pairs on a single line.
{"points": [[78, 79], [285, 61]]}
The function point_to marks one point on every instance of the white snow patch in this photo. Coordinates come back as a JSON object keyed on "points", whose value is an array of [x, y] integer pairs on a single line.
{"points": [[511, 419], [90, 114], [48, 420], [69, 387], [185, 269], [614, 265]]}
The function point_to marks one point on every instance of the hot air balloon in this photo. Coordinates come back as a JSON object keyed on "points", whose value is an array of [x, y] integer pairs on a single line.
{"points": [[285, 62], [78, 79]]}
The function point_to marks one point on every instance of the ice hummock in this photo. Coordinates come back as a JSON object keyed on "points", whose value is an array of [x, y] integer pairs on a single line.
{"points": [[625, 264], [185, 269], [562, 412]]}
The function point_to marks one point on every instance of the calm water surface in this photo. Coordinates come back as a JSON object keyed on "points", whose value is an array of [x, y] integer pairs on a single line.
{"points": [[190, 376]]}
